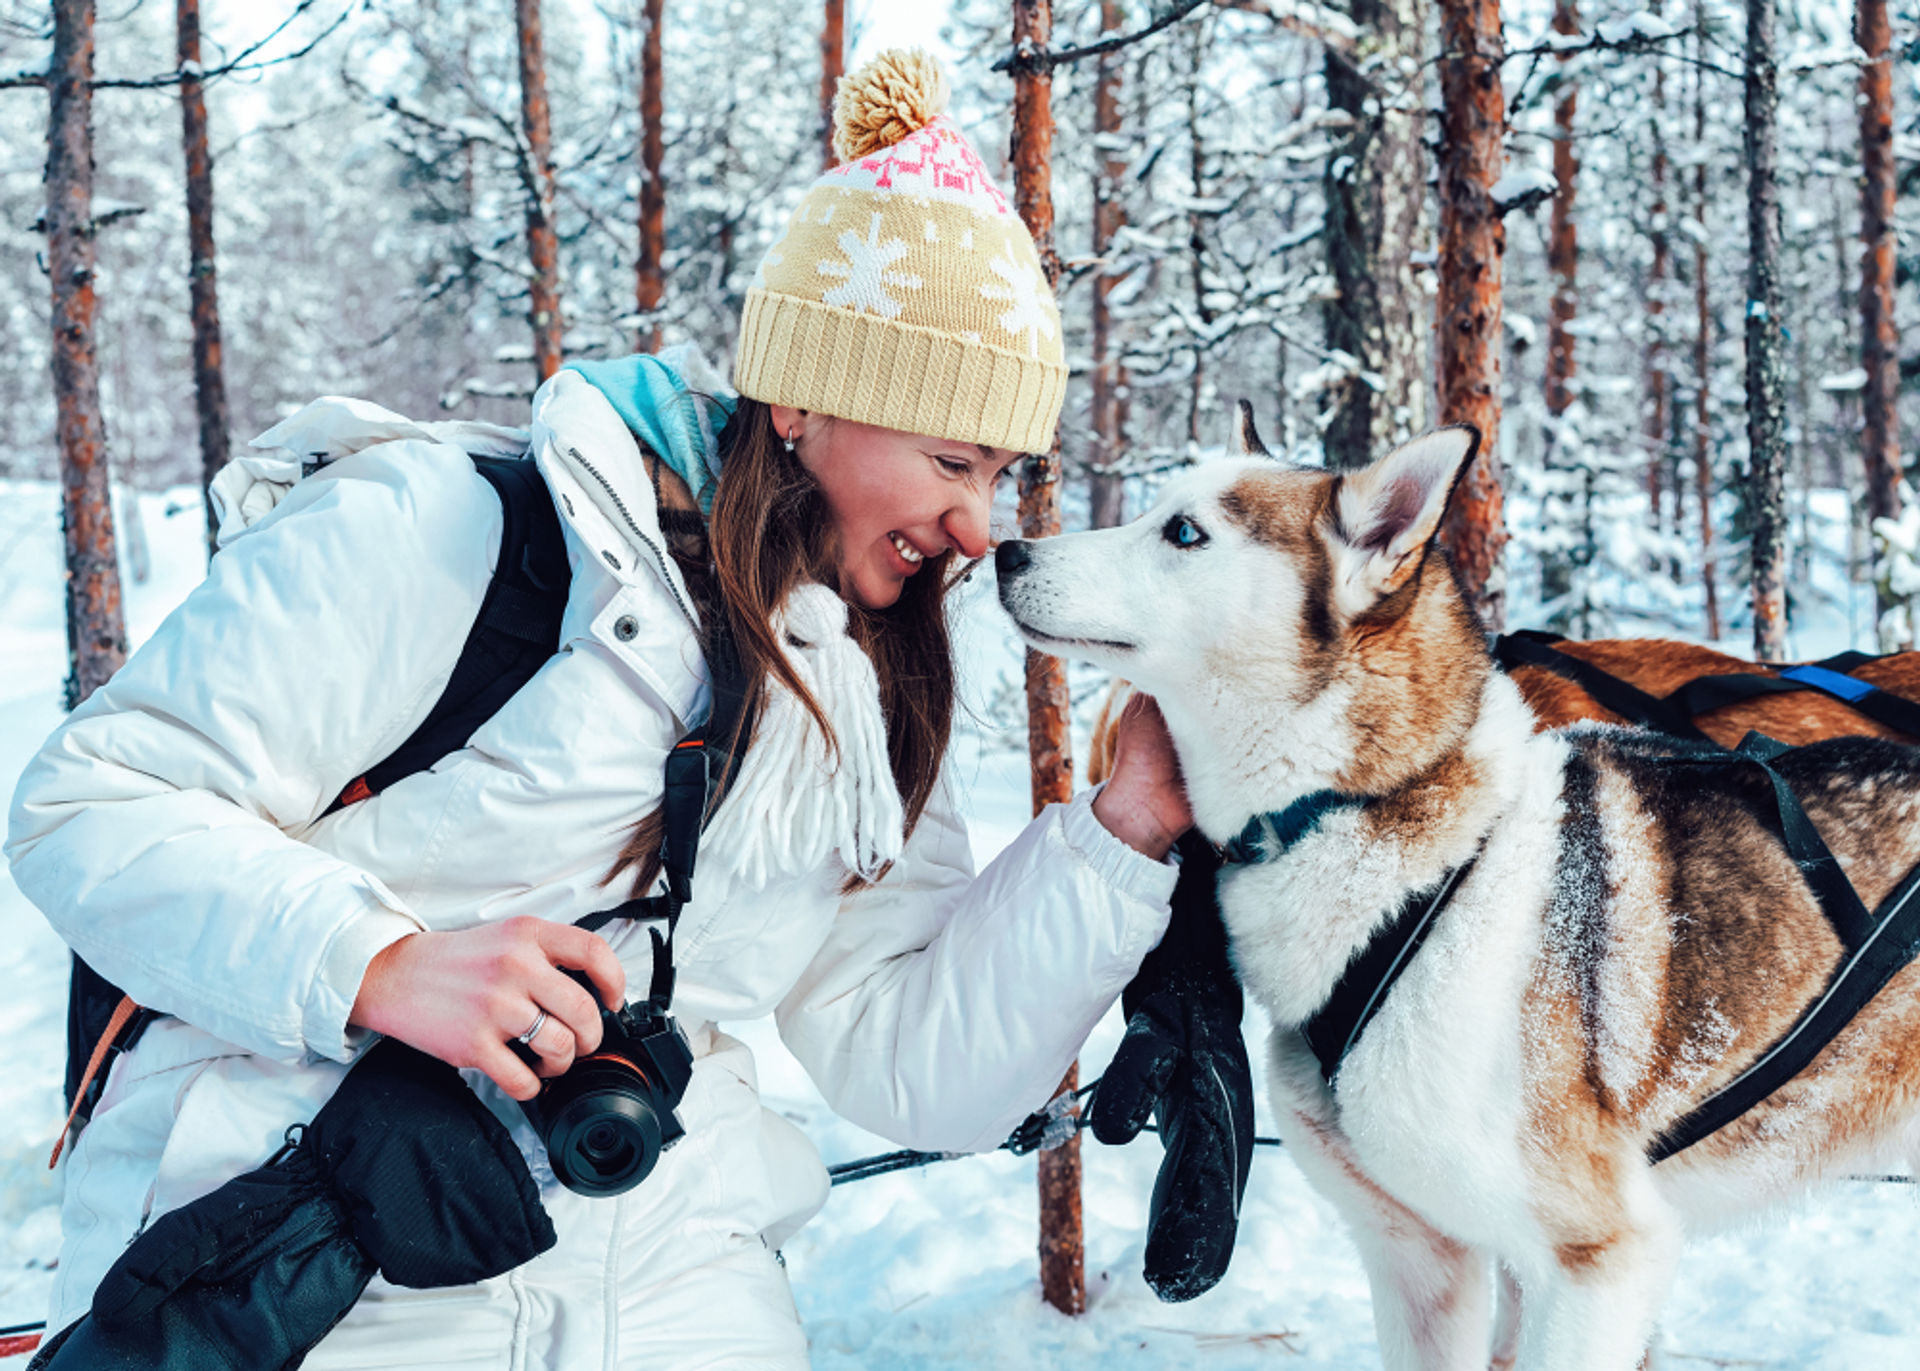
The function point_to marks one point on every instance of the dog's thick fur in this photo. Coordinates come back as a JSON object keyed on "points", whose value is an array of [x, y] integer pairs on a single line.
{"points": [[1629, 939]]}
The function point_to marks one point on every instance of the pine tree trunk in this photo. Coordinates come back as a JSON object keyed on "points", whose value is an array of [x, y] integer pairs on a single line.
{"points": [[1657, 420], [651, 281], [1703, 351], [1558, 565], [96, 627], [1196, 234], [1377, 218], [1879, 339], [1472, 241], [833, 65], [209, 383], [543, 243], [1107, 493], [1063, 1279], [1766, 361]]}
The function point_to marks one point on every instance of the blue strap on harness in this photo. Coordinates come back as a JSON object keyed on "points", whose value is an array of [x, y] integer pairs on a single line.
{"points": [[1267, 837], [1848, 688]]}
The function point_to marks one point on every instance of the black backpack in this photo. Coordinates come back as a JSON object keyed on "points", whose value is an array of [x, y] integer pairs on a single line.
{"points": [[516, 631]]}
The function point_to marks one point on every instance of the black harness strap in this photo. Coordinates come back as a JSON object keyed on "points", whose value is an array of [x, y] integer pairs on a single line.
{"points": [[1674, 714], [1896, 712], [1528, 647], [1839, 901], [1893, 942], [1361, 991]]}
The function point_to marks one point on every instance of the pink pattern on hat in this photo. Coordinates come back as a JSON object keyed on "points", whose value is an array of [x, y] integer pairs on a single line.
{"points": [[936, 161]]}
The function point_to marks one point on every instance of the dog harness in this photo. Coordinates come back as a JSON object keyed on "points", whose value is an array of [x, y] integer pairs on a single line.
{"points": [[1362, 989], [1875, 945], [1674, 714]]}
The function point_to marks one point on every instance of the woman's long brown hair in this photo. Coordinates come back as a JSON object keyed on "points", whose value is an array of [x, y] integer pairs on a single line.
{"points": [[771, 531]]}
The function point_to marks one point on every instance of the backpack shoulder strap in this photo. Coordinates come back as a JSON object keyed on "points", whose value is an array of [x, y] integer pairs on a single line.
{"points": [[515, 632]]}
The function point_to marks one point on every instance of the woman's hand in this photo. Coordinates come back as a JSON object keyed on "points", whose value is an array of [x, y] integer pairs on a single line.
{"points": [[1145, 802], [462, 996]]}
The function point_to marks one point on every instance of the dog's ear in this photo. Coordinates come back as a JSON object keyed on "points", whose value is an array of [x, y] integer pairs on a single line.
{"points": [[1244, 441], [1386, 515]]}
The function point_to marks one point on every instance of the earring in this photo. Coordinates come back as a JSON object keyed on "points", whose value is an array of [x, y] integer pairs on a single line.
{"points": [[788, 442]]}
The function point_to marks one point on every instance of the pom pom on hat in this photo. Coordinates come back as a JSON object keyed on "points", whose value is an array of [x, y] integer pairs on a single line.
{"points": [[905, 291], [895, 95]]}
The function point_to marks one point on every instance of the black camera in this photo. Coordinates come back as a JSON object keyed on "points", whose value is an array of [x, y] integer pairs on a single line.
{"points": [[608, 1119]]}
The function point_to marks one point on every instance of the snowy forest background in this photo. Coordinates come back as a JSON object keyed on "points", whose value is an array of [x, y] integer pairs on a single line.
{"points": [[1248, 204], [369, 216]]}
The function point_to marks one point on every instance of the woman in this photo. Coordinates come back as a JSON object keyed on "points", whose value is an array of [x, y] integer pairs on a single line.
{"points": [[898, 351]]}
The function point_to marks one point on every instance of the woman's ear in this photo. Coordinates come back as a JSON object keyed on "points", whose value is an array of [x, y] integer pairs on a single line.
{"points": [[789, 422]]}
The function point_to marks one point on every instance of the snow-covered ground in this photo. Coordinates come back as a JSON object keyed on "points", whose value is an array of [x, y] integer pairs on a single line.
{"points": [[936, 1268]]}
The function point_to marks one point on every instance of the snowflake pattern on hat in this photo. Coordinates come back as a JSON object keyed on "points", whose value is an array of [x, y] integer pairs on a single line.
{"points": [[1033, 312], [905, 291], [866, 271]]}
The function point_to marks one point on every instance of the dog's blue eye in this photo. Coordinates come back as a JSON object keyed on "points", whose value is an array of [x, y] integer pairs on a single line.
{"points": [[1183, 532]]}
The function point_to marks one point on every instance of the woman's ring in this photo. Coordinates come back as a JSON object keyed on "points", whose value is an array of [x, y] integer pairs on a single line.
{"points": [[539, 1022]]}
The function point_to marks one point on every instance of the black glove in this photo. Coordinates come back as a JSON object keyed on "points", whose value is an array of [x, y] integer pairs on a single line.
{"points": [[403, 1171], [1183, 1061]]}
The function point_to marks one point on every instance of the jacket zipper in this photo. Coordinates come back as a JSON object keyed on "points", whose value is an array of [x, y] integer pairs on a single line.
{"points": [[658, 556]]}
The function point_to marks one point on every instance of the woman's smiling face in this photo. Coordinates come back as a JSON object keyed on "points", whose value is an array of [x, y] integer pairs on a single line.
{"points": [[897, 499]]}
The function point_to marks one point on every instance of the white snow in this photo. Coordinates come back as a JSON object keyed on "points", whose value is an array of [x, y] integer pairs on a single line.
{"points": [[936, 1268], [1520, 183], [1640, 24]]}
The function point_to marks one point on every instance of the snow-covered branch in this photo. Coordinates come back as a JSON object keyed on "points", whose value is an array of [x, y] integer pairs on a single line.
{"points": [[192, 71], [1027, 58]]}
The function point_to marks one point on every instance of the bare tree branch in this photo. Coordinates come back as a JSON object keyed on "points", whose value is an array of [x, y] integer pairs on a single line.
{"points": [[1028, 59], [1329, 28], [239, 62]]}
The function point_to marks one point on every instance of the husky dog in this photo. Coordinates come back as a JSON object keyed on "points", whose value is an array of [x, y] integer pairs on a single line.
{"points": [[1628, 938]]}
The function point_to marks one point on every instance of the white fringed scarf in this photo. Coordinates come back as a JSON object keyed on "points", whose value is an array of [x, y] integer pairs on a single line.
{"points": [[793, 805]]}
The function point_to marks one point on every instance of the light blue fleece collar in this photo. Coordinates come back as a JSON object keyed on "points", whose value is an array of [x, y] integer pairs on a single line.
{"points": [[679, 423]]}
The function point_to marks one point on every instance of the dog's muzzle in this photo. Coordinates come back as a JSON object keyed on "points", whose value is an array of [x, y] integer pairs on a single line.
{"points": [[1012, 557]]}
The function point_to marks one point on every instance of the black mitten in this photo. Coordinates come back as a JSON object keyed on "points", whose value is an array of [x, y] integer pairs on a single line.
{"points": [[1184, 1062], [403, 1171]]}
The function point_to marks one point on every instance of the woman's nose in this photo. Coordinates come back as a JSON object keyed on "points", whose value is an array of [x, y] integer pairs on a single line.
{"points": [[966, 523]]}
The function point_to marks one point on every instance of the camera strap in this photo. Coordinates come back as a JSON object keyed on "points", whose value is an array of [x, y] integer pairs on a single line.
{"points": [[698, 769]]}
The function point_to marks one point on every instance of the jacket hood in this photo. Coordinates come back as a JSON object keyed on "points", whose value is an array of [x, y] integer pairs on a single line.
{"points": [[676, 404]]}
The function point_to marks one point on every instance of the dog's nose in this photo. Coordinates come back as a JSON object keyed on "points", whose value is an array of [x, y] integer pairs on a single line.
{"points": [[1011, 557]]}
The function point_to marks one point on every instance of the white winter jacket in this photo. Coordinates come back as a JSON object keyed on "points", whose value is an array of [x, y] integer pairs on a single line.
{"points": [[171, 830]]}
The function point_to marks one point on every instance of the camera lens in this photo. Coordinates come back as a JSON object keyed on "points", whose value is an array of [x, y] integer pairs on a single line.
{"points": [[603, 1134]]}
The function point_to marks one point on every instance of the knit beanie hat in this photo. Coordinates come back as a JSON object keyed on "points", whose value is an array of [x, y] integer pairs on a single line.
{"points": [[906, 292]]}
